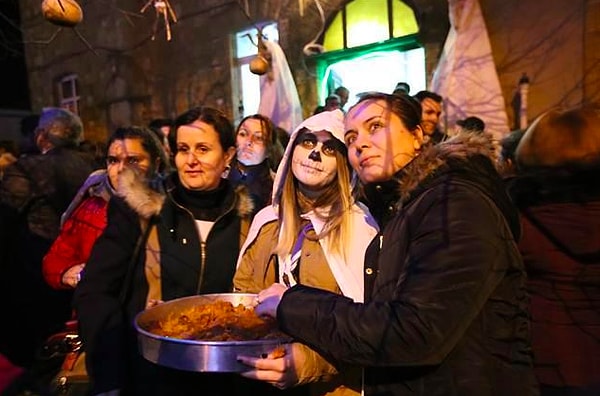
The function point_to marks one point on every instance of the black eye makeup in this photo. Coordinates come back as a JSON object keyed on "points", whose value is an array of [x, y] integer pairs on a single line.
{"points": [[309, 141]]}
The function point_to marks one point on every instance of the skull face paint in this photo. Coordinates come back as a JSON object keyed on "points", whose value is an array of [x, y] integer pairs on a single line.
{"points": [[313, 161]]}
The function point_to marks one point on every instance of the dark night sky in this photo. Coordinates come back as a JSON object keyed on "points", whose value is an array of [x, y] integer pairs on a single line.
{"points": [[14, 92]]}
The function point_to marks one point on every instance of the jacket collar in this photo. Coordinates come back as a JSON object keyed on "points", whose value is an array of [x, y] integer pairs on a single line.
{"points": [[146, 198], [435, 158]]}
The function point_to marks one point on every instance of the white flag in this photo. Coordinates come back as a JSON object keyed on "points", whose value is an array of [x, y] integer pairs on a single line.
{"points": [[466, 75], [278, 94]]}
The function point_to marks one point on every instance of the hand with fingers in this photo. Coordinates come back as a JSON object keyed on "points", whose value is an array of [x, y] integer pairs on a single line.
{"points": [[276, 368], [268, 300], [72, 276], [153, 303]]}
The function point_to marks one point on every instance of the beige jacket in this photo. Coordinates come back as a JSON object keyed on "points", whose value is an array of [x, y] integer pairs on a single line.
{"points": [[259, 267]]}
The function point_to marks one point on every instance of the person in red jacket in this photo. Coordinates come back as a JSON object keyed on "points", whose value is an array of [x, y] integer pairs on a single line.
{"points": [[85, 218]]}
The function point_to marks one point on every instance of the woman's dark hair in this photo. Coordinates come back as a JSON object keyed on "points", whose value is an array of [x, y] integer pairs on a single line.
{"points": [[209, 115], [404, 106], [274, 146], [422, 95], [149, 141], [158, 123]]}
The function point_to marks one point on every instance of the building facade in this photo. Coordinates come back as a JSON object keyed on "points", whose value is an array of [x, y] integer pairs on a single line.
{"points": [[117, 67]]}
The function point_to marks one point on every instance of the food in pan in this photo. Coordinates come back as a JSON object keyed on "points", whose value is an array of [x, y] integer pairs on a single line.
{"points": [[216, 321]]}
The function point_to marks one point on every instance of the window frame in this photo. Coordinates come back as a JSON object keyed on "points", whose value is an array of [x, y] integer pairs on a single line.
{"points": [[238, 63], [70, 103], [324, 60]]}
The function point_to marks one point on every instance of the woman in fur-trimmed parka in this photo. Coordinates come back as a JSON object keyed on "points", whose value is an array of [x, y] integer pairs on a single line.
{"points": [[446, 310], [85, 218], [196, 221]]}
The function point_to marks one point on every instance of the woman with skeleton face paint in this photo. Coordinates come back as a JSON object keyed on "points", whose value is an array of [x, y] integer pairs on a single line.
{"points": [[313, 233], [258, 153]]}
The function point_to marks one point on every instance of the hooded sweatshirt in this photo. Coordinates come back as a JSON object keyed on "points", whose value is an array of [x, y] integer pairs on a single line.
{"points": [[348, 273]]}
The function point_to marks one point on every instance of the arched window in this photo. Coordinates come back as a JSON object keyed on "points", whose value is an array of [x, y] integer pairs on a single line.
{"points": [[362, 22], [371, 45]]}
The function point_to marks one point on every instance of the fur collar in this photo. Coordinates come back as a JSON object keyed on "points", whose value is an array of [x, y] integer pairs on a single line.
{"points": [[138, 194], [245, 204], [435, 157], [468, 156], [148, 201]]}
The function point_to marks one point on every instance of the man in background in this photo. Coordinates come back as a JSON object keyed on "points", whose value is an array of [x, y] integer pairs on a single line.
{"points": [[402, 88], [34, 192], [472, 123], [336, 100], [343, 93], [161, 127], [431, 111], [332, 102]]}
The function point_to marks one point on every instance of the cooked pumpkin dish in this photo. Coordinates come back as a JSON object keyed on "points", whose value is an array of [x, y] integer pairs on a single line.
{"points": [[216, 321]]}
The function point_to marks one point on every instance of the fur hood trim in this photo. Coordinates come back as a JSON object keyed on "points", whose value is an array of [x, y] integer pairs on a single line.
{"points": [[460, 147], [245, 204], [138, 195], [147, 201]]}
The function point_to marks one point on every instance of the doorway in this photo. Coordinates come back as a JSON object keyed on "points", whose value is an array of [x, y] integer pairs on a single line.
{"points": [[374, 71]]}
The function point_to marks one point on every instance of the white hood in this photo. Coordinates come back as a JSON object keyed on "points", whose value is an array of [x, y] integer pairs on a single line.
{"points": [[347, 271], [330, 121]]}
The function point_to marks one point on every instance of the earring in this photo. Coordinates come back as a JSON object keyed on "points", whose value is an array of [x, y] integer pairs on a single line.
{"points": [[225, 173]]}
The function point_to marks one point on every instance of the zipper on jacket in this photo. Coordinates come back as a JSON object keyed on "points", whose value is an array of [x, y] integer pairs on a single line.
{"points": [[202, 264], [203, 243]]}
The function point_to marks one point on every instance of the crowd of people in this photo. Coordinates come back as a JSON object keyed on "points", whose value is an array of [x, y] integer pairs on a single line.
{"points": [[401, 259]]}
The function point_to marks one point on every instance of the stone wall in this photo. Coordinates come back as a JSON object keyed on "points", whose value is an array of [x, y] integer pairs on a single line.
{"points": [[129, 77]]}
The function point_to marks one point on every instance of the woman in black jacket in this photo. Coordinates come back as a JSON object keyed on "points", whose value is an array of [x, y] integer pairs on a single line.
{"points": [[196, 221], [445, 311]]}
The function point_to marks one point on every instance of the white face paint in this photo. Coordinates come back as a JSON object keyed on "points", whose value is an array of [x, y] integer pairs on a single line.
{"points": [[313, 160], [251, 146]]}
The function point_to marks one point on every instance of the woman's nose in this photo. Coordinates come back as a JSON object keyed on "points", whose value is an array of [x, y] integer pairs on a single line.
{"points": [[361, 142], [191, 157], [315, 155]]}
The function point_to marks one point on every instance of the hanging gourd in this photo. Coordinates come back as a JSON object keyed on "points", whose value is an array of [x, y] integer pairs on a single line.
{"points": [[261, 63], [65, 13]]}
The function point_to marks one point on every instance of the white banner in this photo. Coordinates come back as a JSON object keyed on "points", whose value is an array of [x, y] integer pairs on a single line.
{"points": [[466, 75]]}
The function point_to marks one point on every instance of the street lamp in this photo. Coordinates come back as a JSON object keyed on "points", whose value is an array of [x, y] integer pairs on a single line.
{"points": [[523, 93]]}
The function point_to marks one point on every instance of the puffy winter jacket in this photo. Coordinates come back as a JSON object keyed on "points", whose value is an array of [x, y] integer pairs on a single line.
{"points": [[446, 309]]}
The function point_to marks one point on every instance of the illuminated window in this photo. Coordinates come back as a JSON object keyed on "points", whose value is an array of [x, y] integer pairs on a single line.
{"points": [[68, 93], [371, 45], [246, 84], [363, 22]]}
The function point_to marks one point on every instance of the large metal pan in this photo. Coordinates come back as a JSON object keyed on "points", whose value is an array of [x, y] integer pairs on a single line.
{"points": [[201, 356]]}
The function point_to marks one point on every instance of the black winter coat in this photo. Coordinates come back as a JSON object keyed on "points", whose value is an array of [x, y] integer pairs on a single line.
{"points": [[34, 192], [446, 310], [107, 325]]}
